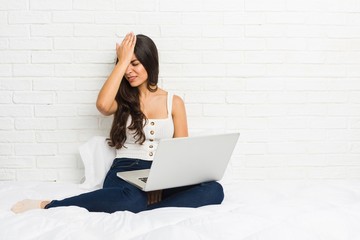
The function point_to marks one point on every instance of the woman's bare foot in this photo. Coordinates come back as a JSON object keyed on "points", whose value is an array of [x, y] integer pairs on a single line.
{"points": [[28, 204]]}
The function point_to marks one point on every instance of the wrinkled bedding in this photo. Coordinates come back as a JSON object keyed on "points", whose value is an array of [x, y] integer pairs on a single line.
{"points": [[260, 210]]}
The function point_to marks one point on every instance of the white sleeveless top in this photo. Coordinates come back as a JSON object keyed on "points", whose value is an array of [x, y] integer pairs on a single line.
{"points": [[154, 129]]}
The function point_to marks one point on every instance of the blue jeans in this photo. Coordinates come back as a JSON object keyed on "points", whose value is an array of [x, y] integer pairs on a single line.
{"points": [[118, 195]]}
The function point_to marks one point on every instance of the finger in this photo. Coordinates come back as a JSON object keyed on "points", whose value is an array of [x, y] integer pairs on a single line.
{"points": [[133, 40], [126, 38], [130, 37]]}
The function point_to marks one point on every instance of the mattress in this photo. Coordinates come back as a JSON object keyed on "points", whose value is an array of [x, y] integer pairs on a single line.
{"points": [[251, 210]]}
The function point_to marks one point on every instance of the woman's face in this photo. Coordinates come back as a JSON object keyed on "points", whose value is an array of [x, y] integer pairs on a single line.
{"points": [[136, 73]]}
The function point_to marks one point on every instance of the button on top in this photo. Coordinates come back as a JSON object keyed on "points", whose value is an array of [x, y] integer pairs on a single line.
{"points": [[152, 123]]}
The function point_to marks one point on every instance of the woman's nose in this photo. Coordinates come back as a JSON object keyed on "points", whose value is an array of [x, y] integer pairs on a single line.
{"points": [[128, 69]]}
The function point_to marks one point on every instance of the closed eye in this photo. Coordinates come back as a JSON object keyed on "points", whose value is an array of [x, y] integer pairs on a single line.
{"points": [[135, 62]]}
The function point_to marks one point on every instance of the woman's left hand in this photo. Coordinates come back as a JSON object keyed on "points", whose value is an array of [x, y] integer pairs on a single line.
{"points": [[154, 197]]}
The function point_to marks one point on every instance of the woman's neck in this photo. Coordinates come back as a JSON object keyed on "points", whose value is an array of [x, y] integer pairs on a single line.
{"points": [[143, 91]]}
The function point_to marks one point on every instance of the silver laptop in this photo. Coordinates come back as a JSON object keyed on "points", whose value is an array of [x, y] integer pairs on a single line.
{"points": [[185, 161]]}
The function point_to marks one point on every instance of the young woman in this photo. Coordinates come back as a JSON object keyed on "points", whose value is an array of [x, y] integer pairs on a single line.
{"points": [[143, 114]]}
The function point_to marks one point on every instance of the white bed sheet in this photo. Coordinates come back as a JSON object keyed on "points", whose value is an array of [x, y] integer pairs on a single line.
{"points": [[265, 210]]}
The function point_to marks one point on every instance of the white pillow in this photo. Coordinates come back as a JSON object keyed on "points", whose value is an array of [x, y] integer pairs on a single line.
{"points": [[97, 157]]}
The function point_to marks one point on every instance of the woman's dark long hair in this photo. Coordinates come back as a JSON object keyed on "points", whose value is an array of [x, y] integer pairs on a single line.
{"points": [[128, 98]]}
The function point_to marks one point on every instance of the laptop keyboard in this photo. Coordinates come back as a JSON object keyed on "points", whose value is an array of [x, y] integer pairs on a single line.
{"points": [[144, 179]]}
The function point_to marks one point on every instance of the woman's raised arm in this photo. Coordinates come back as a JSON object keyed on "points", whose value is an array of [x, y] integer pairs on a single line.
{"points": [[106, 103]]}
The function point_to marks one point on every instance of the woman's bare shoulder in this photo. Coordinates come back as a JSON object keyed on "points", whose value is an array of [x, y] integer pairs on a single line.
{"points": [[178, 100], [161, 92], [178, 105]]}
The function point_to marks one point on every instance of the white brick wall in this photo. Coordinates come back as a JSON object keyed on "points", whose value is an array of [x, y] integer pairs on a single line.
{"points": [[284, 73]]}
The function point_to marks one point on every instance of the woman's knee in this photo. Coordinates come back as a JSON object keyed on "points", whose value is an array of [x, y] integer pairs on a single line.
{"points": [[214, 191], [128, 199]]}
